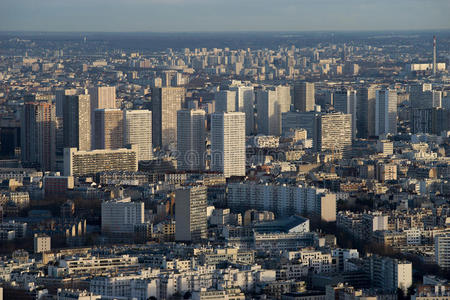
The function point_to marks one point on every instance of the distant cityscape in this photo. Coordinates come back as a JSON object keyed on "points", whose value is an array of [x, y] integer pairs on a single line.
{"points": [[236, 165]]}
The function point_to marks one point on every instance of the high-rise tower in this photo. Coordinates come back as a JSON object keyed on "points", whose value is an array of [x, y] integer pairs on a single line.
{"points": [[137, 130], [77, 122], [228, 143], [190, 214], [166, 102], [108, 128], [191, 139], [38, 134]]}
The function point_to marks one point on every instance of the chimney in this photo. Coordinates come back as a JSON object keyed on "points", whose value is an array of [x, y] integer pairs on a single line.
{"points": [[434, 56]]}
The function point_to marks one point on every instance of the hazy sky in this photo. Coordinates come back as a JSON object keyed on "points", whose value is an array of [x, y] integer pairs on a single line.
{"points": [[223, 15]]}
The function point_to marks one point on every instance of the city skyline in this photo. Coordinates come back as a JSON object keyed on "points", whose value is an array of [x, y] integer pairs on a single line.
{"points": [[273, 164]]}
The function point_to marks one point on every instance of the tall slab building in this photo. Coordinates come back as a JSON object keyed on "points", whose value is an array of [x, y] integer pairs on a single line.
{"points": [[77, 122], [166, 101], [271, 104], [245, 102], [345, 101], [304, 98], [101, 97], [225, 101], [386, 112], [191, 139], [365, 111], [108, 128], [137, 130], [228, 143], [334, 132], [190, 214], [38, 135]]}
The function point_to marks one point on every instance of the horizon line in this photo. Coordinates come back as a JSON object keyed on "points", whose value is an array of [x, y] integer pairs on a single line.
{"points": [[236, 31]]}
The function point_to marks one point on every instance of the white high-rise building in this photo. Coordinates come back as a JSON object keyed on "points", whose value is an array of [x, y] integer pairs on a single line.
{"points": [[137, 129], [120, 216], [190, 214], [386, 112], [225, 101], [245, 102], [270, 105], [191, 139], [228, 143]]}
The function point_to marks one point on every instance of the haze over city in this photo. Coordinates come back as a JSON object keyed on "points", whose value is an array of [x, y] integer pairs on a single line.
{"points": [[216, 15]]}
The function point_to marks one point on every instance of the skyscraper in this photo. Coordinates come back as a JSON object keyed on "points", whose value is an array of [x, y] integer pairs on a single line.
{"points": [[77, 122], [108, 129], [60, 98], [137, 130], [190, 214], [38, 136], [191, 140], [228, 143], [386, 112], [101, 97], [365, 111], [225, 101], [270, 105], [345, 101], [166, 102], [334, 133], [245, 102], [304, 98]]}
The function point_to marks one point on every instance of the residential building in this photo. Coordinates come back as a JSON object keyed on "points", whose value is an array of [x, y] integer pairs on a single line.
{"points": [[42, 243], [190, 214], [83, 163], [121, 216], [228, 143], [108, 128], [304, 96], [38, 135], [77, 122], [191, 138], [137, 130], [166, 101]]}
